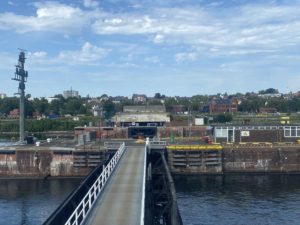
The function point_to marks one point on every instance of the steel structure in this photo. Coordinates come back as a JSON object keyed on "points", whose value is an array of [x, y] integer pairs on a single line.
{"points": [[21, 76]]}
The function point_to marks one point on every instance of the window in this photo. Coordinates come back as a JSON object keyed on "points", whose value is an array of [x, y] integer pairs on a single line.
{"points": [[291, 131], [221, 133]]}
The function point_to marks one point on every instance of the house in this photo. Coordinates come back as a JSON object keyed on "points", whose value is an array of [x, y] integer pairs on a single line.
{"points": [[14, 114], [229, 105], [137, 98], [267, 110], [178, 109], [2, 96], [118, 99]]}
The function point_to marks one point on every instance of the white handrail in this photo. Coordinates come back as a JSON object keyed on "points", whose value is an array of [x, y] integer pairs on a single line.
{"points": [[80, 213], [142, 221]]}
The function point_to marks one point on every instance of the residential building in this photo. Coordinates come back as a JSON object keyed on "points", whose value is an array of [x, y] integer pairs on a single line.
{"points": [[2, 96], [137, 98], [221, 106], [14, 114]]}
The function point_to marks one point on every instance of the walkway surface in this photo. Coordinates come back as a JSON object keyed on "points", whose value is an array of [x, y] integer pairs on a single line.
{"points": [[120, 203]]}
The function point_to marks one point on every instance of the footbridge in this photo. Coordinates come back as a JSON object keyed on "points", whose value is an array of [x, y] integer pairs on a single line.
{"points": [[134, 187]]}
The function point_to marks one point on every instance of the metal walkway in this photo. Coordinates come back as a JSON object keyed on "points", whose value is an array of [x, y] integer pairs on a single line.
{"points": [[122, 200]]}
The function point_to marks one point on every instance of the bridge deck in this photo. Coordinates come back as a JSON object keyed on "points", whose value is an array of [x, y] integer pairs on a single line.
{"points": [[120, 202]]}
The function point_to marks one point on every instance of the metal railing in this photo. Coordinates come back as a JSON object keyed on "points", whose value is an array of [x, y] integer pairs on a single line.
{"points": [[80, 213], [142, 221], [156, 144]]}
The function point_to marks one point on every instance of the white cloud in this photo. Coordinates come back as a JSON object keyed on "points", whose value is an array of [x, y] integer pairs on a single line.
{"points": [[90, 3], [87, 54], [50, 16], [40, 54], [260, 26], [186, 56], [158, 38], [11, 3]]}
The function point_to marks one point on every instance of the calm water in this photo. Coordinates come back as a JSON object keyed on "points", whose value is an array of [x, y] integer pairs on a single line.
{"points": [[239, 199], [32, 201]]}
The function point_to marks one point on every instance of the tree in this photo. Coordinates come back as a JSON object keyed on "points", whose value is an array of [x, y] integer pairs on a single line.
{"points": [[73, 106], [109, 109], [8, 104], [269, 91], [41, 106], [157, 95]]}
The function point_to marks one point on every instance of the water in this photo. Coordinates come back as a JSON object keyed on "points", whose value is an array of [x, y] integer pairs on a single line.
{"points": [[31, 202], [232, 199], [239, 199]]}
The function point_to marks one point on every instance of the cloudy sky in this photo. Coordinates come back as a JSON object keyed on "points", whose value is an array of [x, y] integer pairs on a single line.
{"points": [[175, 47]]}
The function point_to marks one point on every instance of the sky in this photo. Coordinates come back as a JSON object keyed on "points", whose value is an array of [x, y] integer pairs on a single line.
{"points": [[172, 47]]}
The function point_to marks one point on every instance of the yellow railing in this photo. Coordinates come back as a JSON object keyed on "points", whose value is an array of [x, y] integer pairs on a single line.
{"points": [[194, 147]]}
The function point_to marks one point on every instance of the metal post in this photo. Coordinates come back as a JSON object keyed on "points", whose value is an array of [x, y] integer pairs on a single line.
{"points": [[22, 117], [21, 76], [189, 121]]}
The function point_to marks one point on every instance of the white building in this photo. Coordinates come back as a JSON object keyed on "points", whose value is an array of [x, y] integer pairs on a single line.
{"points": [[70, 94], [2, 96]]}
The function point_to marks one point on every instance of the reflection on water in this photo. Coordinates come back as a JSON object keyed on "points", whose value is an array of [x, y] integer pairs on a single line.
{"points": [[239, 199], [31, 202]]}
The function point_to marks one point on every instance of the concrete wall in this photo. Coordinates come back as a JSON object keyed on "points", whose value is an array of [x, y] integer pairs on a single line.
{"points": [[262, 159], [237, 159], [195, 161], [29, 163]]}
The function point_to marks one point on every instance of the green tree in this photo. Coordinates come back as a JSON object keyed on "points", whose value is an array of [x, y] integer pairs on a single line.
{"points": [[73, 106], [109, 109], [8, 104]]}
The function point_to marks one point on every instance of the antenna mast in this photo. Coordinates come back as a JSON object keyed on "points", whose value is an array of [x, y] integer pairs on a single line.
{"points": [[21, 76]]}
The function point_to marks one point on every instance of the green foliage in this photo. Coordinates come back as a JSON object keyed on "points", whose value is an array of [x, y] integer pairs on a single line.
{"points": [[223, 118], [252, 104], [8, 104], [269, 91], [109, 109]]}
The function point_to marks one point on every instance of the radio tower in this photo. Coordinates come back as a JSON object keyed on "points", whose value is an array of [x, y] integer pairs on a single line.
{"points": [[21, 76]]}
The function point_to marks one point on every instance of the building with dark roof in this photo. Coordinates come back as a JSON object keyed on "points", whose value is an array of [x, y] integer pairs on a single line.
{"points": [[229, 105]]}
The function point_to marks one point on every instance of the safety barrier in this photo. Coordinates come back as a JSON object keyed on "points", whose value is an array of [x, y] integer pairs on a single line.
{"points": [[156, 144], [142, 221], [194, 147], [84, 207]]}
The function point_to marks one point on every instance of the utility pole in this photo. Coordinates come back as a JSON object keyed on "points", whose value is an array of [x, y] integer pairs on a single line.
{"points": [[189, 121], [21, 76]]}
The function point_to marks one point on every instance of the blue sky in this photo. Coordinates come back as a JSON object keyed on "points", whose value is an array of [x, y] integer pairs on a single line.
{"points": [[175, 47]]}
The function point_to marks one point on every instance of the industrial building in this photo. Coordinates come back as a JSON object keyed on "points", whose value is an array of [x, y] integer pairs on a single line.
{"points": [[142, 120], [257, 133]]}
